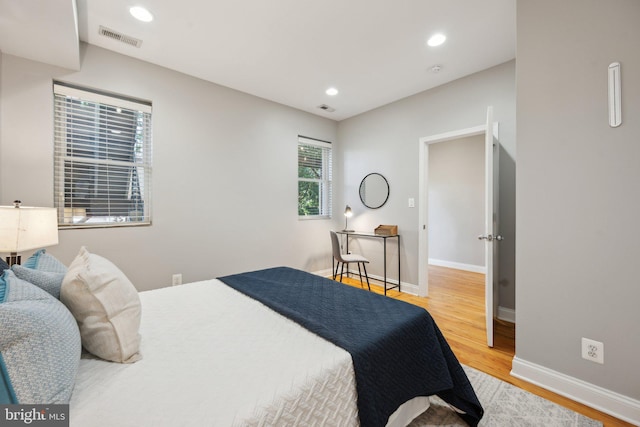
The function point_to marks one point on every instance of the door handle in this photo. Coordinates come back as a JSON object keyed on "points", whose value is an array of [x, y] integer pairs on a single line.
{"points": [[491, 238]]}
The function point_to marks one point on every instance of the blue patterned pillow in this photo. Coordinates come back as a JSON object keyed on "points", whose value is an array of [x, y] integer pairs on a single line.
{"points": [[42, 270], [39, 345], [41, 260], [2, 284], [47, 280]]}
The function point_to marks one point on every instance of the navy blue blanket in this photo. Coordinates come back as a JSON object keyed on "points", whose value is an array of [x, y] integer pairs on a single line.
{"points": [[398, 351]]}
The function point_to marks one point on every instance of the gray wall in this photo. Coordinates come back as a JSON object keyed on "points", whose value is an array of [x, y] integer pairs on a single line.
{"points": [[386, 140], [456, 201], [578, 199], [224, 164]]}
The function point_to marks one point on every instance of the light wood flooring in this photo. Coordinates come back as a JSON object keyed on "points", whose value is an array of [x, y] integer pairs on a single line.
{"points": [[456, 302]]}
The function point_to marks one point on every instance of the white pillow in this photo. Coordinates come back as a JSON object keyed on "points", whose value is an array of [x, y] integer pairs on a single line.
{"points": [[106, 306]]}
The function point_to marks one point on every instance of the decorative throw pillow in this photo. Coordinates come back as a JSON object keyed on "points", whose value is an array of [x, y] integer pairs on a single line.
{"points": [[41, 260], [47, 280], [42, 270], [106, 305], [39, 345], [3, 266]]}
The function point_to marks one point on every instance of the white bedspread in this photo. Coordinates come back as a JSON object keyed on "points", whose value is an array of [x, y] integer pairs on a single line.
{"points": [[214, 357]]}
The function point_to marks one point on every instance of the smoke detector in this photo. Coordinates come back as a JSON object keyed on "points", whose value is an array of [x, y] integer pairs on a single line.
{"points": [[115, 35]]}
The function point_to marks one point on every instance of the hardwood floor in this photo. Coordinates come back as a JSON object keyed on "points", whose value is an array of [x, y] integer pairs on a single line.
{"points": [[456, 302]]}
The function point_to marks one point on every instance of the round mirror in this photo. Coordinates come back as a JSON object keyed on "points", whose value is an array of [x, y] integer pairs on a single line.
{"points": [[374, 190]]}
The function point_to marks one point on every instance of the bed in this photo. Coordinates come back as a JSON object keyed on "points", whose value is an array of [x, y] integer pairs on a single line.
{"points": [[214, 357], [272, 347]]}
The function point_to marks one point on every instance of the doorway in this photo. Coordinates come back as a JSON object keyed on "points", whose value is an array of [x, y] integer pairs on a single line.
{"points": [[423, 249], [456, 203], [489, 233]]}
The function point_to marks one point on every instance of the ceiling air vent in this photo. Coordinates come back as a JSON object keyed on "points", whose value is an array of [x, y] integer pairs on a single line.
{"points": [[325, 107], [103, 31]]}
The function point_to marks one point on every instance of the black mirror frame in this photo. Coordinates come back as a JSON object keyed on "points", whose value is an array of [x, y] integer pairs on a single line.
{"points": [[388, 190]]}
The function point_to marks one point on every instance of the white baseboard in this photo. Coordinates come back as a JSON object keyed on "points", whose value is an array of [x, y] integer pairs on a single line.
{"points": [[458, 265], [405, 287], [324, 273], [507, 314], [612, 403], [409, 288]]}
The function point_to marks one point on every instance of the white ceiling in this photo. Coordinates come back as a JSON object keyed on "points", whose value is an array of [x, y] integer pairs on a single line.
{"points": [[288, 51], [40, 30]]}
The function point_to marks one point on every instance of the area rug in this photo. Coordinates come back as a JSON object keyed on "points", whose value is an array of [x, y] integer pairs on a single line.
{"points": [[505, 405]]}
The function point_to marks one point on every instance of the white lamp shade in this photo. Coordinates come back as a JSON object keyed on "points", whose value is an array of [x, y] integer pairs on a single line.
{"points": [[27, 228]]}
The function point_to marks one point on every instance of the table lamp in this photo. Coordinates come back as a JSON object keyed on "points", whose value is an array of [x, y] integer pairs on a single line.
{"points": [[23, 228], [347, 214]]}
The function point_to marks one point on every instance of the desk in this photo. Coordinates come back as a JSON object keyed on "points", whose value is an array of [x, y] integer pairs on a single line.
{"points": [[384, 239]]}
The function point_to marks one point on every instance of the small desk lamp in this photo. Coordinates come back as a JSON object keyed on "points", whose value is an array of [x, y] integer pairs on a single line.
{"points": [[24, 228], [347, 214]]}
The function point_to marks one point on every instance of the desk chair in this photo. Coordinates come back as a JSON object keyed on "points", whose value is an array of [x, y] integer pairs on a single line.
{"points": [[346, 259]]}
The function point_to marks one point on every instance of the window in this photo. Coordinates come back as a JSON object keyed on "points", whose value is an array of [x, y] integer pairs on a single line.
{"points": [[102, 155], [314, 178]]}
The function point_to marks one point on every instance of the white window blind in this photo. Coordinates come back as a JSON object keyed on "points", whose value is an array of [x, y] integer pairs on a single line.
{"points": [[314, 178], [102, 154]]}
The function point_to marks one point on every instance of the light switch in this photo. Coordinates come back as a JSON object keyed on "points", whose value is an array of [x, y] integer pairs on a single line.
{"points": [[412, 202]]}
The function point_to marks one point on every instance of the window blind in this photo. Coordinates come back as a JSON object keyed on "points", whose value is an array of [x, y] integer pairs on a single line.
{"points": [[102, 155], [314, 178]]}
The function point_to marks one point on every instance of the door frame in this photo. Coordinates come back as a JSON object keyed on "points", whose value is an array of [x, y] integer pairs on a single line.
{"points": [[423, 186]]}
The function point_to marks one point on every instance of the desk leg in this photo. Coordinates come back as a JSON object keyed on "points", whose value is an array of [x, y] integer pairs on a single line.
{"points": [[385, 266], [399, 281]]}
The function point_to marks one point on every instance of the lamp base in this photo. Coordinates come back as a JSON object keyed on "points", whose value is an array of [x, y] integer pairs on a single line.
{"points": [[14, 258], [348, 231]]}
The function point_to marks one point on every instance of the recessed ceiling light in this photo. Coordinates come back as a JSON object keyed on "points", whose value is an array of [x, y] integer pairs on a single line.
{"points": [[141, 14], [436, 39], [332, 91]]}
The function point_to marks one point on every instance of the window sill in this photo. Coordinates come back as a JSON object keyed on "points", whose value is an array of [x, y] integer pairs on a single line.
{"points": [[312, 217]]}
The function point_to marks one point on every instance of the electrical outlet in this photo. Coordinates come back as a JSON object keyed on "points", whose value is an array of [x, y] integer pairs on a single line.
{"points": [[593, 350], [412, 202], [176, 280]]}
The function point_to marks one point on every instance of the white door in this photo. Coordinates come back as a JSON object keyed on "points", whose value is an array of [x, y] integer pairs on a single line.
{"points": [[491, 236]]}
